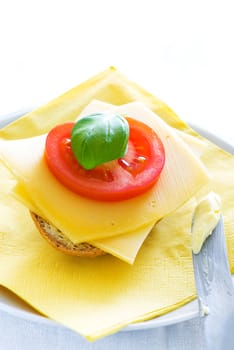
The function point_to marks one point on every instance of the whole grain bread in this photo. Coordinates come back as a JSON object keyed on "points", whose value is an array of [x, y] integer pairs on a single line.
{"points": [[59, 241]]}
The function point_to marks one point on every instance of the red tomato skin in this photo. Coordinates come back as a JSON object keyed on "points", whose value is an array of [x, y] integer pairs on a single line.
{"points": [[118, 180]]}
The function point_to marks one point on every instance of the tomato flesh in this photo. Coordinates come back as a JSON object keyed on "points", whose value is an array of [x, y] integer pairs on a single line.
{"points": [[117, 180]]}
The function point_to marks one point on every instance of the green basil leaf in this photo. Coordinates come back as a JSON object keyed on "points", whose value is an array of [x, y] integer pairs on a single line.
{"points": [[99, 138]]}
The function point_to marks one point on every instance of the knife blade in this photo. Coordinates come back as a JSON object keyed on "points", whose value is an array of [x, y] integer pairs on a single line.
{"points": [[215, 291]]}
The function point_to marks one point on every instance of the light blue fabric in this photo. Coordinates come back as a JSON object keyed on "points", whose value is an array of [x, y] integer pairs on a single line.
{"points": [[21, 334]]}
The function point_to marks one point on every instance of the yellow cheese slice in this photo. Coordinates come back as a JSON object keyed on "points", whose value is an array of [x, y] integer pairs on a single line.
{"points": [[183, 175], [124, 247], [197, 145]]}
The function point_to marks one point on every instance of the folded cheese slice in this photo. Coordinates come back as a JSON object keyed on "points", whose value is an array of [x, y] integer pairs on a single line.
{"points": [[124, 247], [82, 219]]}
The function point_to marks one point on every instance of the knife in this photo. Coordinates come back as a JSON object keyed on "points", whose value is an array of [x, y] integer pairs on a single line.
{"points": [[215, 291]]}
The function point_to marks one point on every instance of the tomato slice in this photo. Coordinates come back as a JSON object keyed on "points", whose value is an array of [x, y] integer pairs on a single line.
{"points": [[116, 180]]}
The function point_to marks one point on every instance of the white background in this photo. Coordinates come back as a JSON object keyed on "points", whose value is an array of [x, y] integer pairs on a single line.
{"points": [[181, 51]]}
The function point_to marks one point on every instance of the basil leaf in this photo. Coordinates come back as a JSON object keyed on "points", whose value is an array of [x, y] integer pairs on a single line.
{"points": [[99, 138]]}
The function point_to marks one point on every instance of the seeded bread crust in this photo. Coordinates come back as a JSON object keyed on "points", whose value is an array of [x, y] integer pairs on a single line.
{"points": [[59, 241]]}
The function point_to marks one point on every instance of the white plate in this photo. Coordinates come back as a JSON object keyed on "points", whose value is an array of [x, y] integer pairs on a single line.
{"points": [[20, 310]]}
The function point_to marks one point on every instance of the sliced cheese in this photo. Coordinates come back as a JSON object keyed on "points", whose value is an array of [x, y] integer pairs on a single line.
{"points": [[124, 247], [82, 219], [197, 145]]}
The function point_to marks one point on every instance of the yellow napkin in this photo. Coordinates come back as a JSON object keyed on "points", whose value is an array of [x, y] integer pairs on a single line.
{"points": [[100, 296]]}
